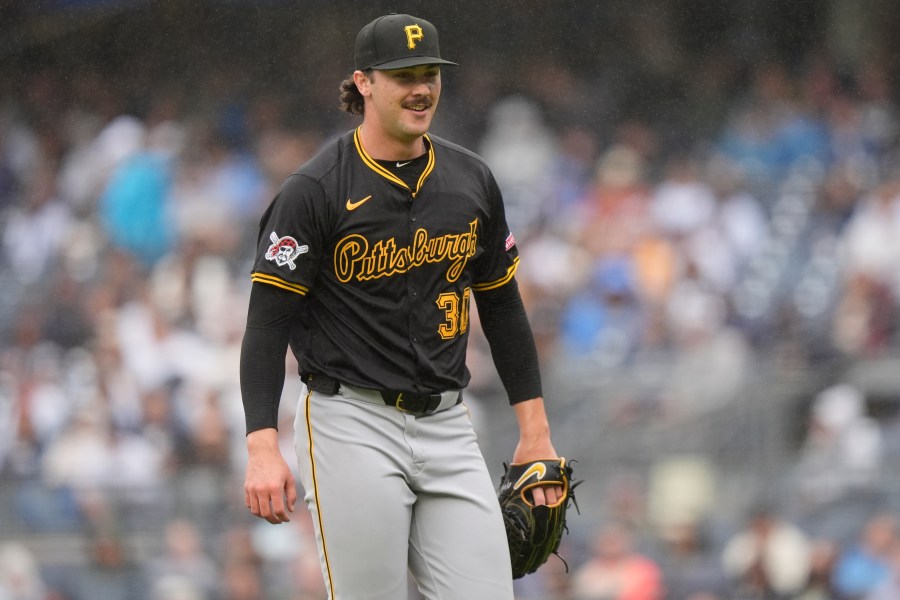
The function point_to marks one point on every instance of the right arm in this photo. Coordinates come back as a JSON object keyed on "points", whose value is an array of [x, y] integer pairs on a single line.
{"points": [[277, 296], [269, 487]]}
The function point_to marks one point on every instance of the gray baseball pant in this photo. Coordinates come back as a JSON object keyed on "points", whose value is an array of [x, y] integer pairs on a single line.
{"points": [[391, 493]]}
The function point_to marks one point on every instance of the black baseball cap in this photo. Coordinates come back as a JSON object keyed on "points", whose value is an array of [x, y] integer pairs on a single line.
{"points": [[395, 41]]}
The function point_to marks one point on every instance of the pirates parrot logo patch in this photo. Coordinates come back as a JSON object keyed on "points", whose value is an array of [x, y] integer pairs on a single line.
{"points": [[284, 250]]}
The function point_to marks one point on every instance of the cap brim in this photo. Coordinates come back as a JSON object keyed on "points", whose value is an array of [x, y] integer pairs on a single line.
{"points": [[412, 61]]}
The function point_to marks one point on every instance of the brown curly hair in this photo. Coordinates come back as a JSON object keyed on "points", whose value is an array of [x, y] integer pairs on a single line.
{"points": [[351, 100]]}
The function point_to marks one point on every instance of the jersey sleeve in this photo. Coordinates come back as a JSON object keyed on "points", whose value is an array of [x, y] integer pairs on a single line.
{"points": [[498, 264], [506, 328], [291, 237]]}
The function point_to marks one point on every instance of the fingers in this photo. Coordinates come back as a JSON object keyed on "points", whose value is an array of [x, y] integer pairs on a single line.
{"points": [[291, 493], [277, 509], [545, 494], [270, 490], [251, 501], [553, 494], [273, 505], [270, 507]]}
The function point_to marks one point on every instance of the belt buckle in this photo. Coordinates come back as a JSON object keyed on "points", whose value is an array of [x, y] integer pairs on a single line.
{"points": [[418, 404]]}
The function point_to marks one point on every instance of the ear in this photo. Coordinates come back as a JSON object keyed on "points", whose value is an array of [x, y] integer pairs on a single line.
{"points": [[363, 83]]}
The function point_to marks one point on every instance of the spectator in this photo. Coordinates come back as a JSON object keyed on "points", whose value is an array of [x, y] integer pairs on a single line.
{"points": [[689, 563], [615, 570], [767, 556], [767, 132], [604, 321], [135, 209], [866, 563], [613, 213], [241, 582], [36, 230], [865, 323], [20, 577], [183, 559], [870, 242], [79, 459], [520, 148], [889, 587], [111, 571], [820, 585], [713, 358], [683, 202], [217, 195], [840, 460]]}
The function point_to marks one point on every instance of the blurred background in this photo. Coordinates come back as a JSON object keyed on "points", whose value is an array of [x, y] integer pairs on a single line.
{"points": [[706, 198]]}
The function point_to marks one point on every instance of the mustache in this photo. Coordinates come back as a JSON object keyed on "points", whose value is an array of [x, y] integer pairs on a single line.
{"points": [[423, 101]]}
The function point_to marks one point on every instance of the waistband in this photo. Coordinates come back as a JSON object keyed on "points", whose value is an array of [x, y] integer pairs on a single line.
{"points": [[416, 404]]}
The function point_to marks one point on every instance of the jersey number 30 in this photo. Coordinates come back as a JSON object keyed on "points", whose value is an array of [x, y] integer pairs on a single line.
{"points": [[456, 314]]}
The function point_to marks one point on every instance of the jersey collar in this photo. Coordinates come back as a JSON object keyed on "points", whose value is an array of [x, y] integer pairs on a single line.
{"points": [[370, 162]]}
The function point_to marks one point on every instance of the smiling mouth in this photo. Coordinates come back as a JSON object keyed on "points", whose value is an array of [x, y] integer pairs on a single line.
{"points": [[418, 107]]}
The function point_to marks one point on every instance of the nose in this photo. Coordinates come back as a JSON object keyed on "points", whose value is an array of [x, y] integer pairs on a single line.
{"points": [[422, 87]]}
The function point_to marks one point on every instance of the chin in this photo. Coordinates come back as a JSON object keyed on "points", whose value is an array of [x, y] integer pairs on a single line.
{"points": [[417, 130], [418, 123]]}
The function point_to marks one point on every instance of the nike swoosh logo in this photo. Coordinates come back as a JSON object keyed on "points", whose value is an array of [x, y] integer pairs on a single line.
{"points": [[357, 204], [399, 164], [539, 469]]}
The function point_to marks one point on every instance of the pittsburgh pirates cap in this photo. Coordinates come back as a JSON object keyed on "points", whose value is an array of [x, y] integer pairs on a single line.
{"points": [[395, 41]]}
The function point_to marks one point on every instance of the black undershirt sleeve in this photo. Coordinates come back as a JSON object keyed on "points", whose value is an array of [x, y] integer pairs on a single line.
{"points": [[509, 335], [263, 350]]}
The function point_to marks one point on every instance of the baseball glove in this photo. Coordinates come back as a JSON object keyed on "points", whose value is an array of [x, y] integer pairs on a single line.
{"points": [[534, 532]]}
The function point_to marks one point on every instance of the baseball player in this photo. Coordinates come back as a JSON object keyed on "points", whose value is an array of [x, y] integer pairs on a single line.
{"points": [[367, 260]]}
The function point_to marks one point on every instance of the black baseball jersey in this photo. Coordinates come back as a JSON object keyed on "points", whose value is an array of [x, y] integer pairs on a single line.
{"points": [[387, 269]]}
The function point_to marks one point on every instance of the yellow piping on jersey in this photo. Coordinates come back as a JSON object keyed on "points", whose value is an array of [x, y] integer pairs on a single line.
{"points": [[370, 162], [491, 285], [280, 283], [315, 482]]}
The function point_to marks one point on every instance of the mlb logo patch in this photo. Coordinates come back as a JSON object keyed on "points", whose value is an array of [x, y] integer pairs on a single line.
{"points": [[510, 241]]}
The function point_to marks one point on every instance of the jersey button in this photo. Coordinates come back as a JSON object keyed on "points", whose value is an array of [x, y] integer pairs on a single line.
{"points": [[412, 217]]}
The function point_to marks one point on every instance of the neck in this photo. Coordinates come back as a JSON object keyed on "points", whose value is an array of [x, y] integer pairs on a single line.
{"points": [[385, 147]]}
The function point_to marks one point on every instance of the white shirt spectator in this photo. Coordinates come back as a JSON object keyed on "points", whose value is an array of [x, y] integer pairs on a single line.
{"points": [[871, 240], [682, 203]]}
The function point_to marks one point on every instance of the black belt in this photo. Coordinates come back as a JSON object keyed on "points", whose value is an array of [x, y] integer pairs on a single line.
{"points": [[412, 402]]}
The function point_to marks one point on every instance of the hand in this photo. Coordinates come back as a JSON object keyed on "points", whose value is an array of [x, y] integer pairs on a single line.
{"points": [[535, 444], [540, 495], [270, 490], [528, 451], [534, 532]]}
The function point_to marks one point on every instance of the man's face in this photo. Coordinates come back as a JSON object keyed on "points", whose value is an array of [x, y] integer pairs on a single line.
{"points": [[403, 101]]}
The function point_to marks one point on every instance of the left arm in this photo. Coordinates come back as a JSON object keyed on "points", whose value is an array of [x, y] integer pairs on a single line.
{"points": [[511, 340]]}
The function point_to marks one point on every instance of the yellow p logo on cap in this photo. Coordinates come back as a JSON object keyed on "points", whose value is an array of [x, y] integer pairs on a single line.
{"points": [[413, 34]]}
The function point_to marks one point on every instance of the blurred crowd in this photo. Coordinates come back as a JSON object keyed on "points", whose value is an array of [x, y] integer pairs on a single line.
{"points": [[121, 428]]}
